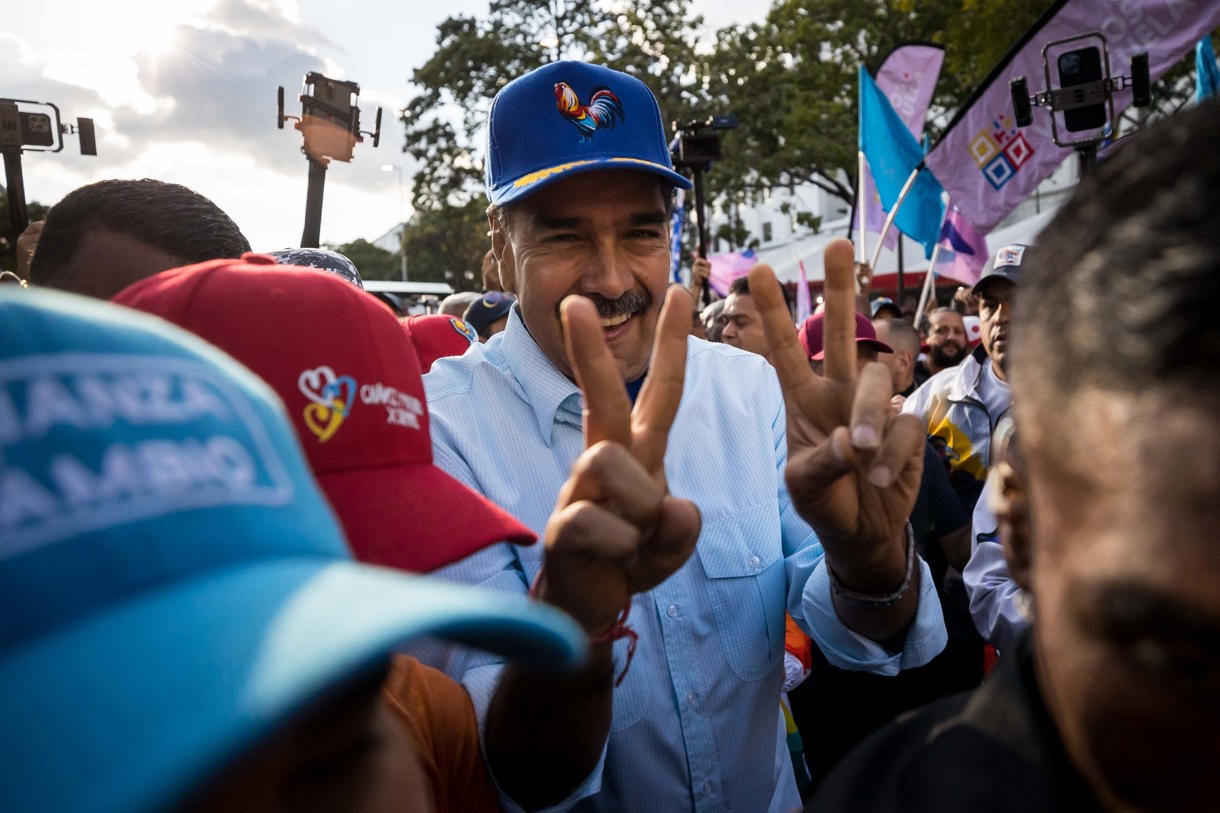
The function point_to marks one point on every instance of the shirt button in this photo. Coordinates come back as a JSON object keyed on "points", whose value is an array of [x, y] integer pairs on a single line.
{"points": [[691, 697], [754, 561], [707, 788], [672, 611]]}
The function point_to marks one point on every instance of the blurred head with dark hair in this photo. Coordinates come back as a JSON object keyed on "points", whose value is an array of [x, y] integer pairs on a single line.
{"points": [[1111, 510], [102, 237]]}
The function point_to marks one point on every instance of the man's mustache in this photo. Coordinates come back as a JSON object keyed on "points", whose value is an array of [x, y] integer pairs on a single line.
{"points": [[629, 303]]}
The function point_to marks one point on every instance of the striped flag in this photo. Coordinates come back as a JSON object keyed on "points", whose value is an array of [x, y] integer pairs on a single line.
{"points": [[675, 237], [963, 249], [803, 306]]}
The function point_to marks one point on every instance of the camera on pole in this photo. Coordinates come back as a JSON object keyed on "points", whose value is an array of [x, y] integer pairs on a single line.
{"points": [[28, 126], [695, 146], [1082, 101], [330, 123]]}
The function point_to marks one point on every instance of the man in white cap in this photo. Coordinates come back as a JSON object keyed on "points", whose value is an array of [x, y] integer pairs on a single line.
{"points": [[960, 406]]}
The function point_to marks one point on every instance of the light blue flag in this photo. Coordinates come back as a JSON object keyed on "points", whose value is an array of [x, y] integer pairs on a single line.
{"points": [[893, 154], [1207, 75]]}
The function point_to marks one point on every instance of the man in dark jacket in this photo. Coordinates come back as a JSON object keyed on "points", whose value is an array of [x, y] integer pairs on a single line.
{"points": [[1109, 513]]}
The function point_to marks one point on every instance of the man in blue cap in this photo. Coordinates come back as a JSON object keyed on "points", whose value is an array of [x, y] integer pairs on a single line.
{"points": [[489, 313], [680, 698]]}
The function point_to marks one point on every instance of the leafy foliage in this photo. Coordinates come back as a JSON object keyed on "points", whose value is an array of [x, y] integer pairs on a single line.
{"points": [[445, 243], [475, 57], [790, 79], [372, 261]]}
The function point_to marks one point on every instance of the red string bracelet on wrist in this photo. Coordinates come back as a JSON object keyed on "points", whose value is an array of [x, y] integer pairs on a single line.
{"points": [[621, 629]]}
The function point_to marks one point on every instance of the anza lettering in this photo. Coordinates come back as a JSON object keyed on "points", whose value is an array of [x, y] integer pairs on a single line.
{"points": [[92, 402]]}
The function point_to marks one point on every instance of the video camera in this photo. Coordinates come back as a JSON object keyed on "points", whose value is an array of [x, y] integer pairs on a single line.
{"points": [[696, 143], [1082, 100]]}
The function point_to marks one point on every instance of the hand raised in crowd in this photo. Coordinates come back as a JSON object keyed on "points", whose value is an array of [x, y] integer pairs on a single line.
{"points": [[27, 241], [864, 278], [616, 530], [853, 467], [864, 287], [700, 271]]}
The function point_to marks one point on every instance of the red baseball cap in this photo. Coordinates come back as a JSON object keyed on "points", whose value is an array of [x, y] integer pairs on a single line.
{"points": [[810, 334], [350, 380], [435, 335]]}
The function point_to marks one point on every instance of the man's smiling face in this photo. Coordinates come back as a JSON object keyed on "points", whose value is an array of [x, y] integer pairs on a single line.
{"points": [[602, 235]]}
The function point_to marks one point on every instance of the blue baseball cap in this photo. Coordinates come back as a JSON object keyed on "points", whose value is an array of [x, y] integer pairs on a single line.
{"points": [[571, 117], [173, 584], [488, 308], [885, 302]]}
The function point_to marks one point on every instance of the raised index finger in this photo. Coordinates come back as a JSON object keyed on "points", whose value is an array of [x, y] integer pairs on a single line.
{"points": [[607, 407], [839, 325], [661, 394]]}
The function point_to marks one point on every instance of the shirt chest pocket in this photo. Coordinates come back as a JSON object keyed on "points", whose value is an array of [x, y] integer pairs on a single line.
{"points": [[740, 554]]}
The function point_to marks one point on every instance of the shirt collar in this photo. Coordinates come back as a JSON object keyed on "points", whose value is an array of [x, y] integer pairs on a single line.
{"points": [[547, 390]]}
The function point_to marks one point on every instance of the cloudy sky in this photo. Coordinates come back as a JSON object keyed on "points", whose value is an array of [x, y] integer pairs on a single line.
{"points": [[184, 91]]}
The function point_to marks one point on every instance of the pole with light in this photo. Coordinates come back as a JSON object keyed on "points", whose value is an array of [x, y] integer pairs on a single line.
{"points": [[402, 221], [330, 123]]}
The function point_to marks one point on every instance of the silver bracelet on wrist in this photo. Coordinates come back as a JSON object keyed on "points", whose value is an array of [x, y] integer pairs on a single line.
{"points": [[874, 599]]}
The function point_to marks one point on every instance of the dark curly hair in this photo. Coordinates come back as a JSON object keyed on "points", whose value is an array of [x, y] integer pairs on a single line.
{"points": [[176, 220]]}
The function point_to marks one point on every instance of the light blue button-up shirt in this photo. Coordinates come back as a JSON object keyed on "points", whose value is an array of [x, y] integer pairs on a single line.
{"points": [[696, 721]]}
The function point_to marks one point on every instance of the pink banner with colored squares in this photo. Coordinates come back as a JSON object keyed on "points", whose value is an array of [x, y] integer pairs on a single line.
{"points": [[987, 164]]}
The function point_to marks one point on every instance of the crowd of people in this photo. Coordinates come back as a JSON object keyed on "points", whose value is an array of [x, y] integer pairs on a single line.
{"points": [[576, 544]]}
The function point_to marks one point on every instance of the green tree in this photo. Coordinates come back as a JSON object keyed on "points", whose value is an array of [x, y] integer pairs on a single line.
{"points": [[445, 242], [791, 79], [476, 56], [372, 261]]}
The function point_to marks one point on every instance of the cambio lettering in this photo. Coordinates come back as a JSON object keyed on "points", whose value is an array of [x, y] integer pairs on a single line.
{"points": [[331, 399], [87, 441]]}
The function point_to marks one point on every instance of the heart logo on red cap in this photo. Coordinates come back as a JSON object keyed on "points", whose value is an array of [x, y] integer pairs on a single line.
{"points": [[332, 398], [322, 421]]}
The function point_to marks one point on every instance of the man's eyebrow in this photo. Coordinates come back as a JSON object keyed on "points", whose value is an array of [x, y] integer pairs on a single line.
{"points": [[560, 222], [651, 218], [556, 222], [1127, 609]]}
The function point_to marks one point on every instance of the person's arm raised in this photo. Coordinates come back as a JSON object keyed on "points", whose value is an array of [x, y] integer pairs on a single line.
{"points": [[853, 468], [615, 531]]}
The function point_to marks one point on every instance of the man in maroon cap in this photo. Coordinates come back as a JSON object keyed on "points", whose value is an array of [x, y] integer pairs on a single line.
{"points": [[867, 343]]}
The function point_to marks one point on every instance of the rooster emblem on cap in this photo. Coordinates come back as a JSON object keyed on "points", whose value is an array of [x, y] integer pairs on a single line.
{"points": [[602, 111]]}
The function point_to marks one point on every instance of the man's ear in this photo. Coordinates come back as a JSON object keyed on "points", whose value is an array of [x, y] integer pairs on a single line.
{"points": [[905, 361], [502, 250], [1010, 502]]}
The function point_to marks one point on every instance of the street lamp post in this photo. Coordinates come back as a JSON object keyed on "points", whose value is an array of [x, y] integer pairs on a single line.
{"points": [[402, 223]]}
